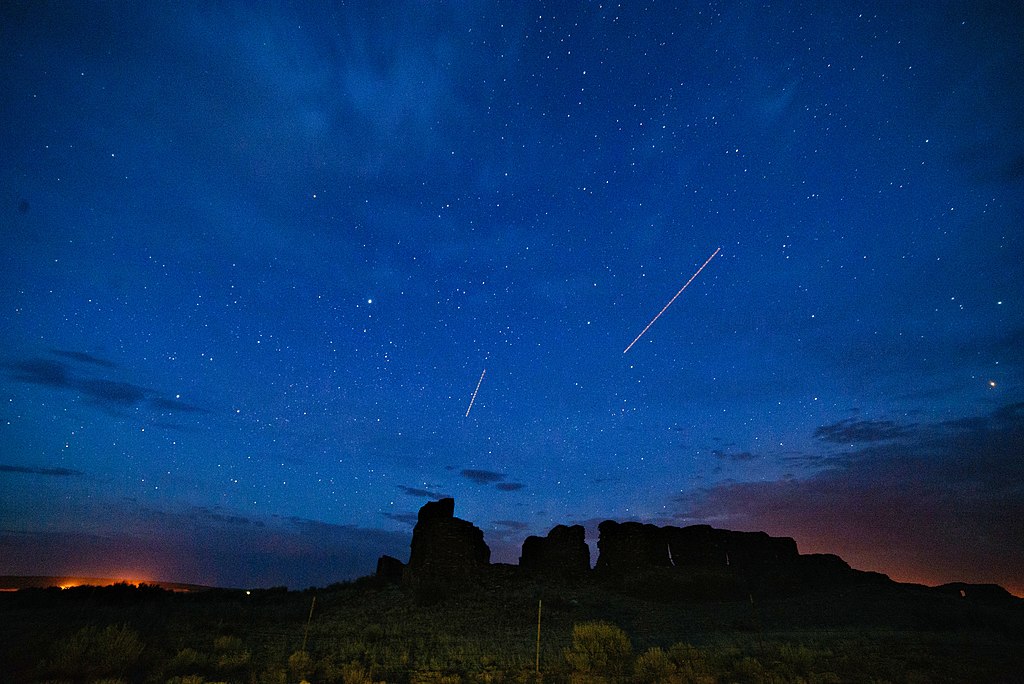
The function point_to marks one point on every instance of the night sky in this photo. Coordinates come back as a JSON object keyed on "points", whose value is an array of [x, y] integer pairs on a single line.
{"points": [[254, 261]]}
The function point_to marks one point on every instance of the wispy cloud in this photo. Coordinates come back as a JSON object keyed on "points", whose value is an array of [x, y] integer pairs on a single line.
{"points": [[175, 405], [84, 357], [40, 372], [53, 472], [482, 477], [409, 519], [487, 477], [424, 493], [109, 394], [853, 431], [514, 525], [734, 455]]}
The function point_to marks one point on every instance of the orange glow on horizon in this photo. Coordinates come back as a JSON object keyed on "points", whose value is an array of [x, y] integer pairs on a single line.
{"points": [[905, 571], [16, 582], [71, 582]]}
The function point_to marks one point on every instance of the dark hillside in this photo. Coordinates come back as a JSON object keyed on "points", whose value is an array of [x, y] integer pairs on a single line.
{"points": [[487, 630], [662, 605]]}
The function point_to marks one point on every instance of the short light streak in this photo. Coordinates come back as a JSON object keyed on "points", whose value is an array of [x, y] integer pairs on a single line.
{"points": [[473, 398], [671, 300]]}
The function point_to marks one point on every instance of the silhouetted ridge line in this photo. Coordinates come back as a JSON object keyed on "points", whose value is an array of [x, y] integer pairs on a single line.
{"points": [[665, 563]]}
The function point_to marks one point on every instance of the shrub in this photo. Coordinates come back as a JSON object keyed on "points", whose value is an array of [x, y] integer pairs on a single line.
{"points": [[600, 651], [691, 664], [227, 644], [529, 677], [431, 677], [654, 667], [750, 670], [187, 661], [187, 679], [97, 653], [355, 673], [300, 666], [230, 655], [373, 633], [272, 675]]}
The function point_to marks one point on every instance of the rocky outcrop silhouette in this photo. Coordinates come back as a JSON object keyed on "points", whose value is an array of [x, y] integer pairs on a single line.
{"points": [[979, 593], [563, 552], [390, 569], [703, 545], [630, 546], [445, 547], [697, 562]]}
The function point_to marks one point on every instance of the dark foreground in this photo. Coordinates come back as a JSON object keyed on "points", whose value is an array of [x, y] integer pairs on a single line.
{"points": [[590, 631]]}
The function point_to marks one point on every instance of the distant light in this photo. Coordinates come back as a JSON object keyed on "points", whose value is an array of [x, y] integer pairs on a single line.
{"points": [[991, 383], [247, 592], [369, 301]]}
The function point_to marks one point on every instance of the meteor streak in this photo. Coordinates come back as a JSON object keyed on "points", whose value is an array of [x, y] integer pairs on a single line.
{"points": [[473, 398], [666, 306]]}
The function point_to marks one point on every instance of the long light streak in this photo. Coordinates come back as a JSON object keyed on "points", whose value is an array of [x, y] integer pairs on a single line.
{"points": [[671, 300], [473, 398]]}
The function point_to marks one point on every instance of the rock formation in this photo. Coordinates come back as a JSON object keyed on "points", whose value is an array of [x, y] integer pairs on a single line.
{"points": [[445, 547], [390, 569], [563, 552], [981, 593], [669, 563], [632, 546], [703, 545], [629, 546]]}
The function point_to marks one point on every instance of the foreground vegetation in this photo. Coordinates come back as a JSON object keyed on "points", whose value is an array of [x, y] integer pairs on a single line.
{"points": [[368, 632]]}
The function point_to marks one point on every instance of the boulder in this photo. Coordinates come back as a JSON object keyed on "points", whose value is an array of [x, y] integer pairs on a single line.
{"points": [[563, 551], [390, 569]]}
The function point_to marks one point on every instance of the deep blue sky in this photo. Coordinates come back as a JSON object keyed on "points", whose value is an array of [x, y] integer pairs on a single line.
{"points": [[254, 261]]}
